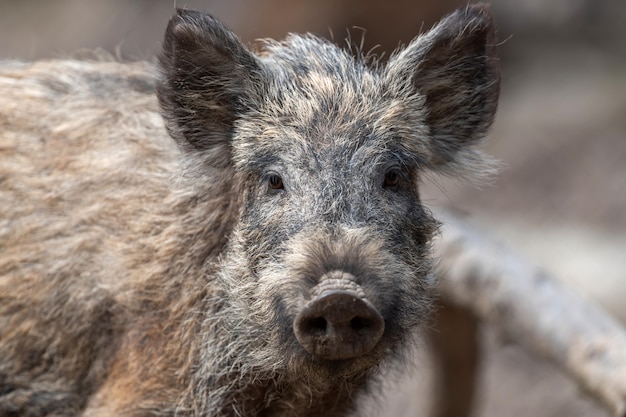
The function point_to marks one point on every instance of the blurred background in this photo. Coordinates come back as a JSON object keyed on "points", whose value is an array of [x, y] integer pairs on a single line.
{"points": [[560, 134]]}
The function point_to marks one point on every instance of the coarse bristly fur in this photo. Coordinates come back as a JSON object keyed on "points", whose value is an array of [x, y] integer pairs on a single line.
{"points": [[141, 275]]}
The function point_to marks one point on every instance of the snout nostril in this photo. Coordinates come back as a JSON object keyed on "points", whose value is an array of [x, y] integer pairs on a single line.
{"points": [[315, 325], [359, 323]]}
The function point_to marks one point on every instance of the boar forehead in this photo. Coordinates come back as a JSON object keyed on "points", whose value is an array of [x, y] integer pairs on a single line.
{"points": [[320, 107], [330, 128]]}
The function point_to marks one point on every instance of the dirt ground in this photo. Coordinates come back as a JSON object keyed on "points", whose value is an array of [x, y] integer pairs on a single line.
{"points": [[560, 134]]}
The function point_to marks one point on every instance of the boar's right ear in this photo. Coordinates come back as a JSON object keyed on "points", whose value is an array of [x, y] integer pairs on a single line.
{"points": [[208, 80], [454, 73]]}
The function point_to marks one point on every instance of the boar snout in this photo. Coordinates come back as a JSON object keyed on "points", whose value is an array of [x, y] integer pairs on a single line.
{"points": [[338, 324]]}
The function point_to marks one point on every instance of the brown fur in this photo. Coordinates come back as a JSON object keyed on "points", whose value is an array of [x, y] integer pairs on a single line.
{"points": [[138, 277]]}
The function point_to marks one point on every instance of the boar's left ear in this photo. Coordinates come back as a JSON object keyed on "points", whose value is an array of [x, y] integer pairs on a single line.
{"points": [[209, 78], [455, 72]]}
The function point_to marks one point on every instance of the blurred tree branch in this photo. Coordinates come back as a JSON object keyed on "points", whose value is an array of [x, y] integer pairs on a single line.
{"points": [[529, 307]]}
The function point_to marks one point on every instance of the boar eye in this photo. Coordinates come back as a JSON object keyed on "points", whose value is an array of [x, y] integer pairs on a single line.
{"points": [[276, 182], [392, 177]]}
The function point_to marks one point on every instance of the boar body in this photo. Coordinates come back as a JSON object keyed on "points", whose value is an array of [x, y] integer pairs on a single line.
{"points": [[268, 261]]}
